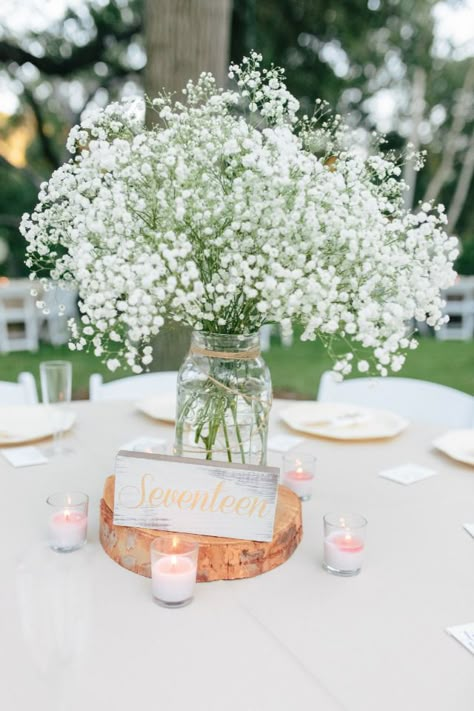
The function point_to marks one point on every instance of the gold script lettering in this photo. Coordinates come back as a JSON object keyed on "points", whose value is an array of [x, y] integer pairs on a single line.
{"points": [[253, 505], [228, 502], [184, 498], [188, 499], [135, 488], [242, 505], [170, 494], [197, 496], [155, 496], [214, 498]]}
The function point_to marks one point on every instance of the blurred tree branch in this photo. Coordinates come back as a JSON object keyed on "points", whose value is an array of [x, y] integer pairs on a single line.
{"points": [[418, 93], [47, 144], [80, 57], [110, 83], [27, 173], [9, 221], [461, 112], [462, 186]]}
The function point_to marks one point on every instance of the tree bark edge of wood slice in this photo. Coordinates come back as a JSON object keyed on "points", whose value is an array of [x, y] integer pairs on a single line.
{"points": [[219, 558]]}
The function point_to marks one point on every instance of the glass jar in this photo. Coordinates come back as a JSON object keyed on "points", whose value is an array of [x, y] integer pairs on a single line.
{"points": [[224, 399]]}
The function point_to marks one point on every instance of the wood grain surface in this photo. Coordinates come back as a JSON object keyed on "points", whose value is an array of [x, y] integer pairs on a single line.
{"points": [[219, 558]]}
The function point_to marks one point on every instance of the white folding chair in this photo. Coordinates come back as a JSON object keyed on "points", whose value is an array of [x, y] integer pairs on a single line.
{"points": [[55, 324], [266, 332], [417, 400], [18, 318], [265, 335], [133, 388], [460, 309], [21, 393]]}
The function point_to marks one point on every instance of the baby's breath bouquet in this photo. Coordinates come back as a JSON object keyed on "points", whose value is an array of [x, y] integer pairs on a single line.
{"points": [[229, 213]]}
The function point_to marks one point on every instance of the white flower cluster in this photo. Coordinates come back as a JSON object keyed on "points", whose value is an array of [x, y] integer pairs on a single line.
{"points": [[215, 221]]}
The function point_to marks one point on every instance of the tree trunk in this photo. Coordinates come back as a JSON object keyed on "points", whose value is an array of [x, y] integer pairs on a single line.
{"points": [[183, 39], [461, 113], [462, 186], [418, 108]]}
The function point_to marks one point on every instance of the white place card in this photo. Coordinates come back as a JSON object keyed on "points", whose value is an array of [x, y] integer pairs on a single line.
{"points": [[24, 456], [407, 473], [195, 496], [283, 443], [463, 634], [469, 528]]}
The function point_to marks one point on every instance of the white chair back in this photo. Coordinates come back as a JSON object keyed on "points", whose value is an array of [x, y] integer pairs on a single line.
{"points": [[55, 328], [21, 393], [460, 309], [134, 388], [18, 318], [266, 332], [417, 400]]}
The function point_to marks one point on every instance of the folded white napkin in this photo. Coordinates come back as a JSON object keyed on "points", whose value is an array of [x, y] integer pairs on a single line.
{"points": [[283, 443], [469, 528], [463, 634], [24, 456], [407, 473]]}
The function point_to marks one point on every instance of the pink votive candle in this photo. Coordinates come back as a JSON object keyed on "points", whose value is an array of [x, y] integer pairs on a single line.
{"points": [[67, 525], [344, 543], [173, 571], [298, 474]]}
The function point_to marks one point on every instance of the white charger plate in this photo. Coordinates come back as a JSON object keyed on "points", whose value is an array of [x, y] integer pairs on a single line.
{"points": [[457, 444], [343, 421], [162, 407], [20, 424]]}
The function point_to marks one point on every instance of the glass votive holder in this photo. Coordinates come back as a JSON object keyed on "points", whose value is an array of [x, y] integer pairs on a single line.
{"points": [[67, 523], [298, 474], [150, 445], [344, 543], [173, 571]]}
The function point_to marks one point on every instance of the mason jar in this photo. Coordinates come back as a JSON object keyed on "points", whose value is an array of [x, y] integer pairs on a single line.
{"points": [[224, 399]]}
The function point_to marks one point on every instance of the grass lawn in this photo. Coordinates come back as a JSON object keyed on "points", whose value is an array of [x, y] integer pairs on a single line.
{"points": [[295, 371]]}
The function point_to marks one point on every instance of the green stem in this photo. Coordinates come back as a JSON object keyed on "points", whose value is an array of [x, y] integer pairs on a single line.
{"points": [[226, 436], [233, 408]]}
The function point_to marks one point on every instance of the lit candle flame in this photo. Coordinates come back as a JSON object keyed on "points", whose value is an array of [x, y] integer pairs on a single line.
{"points": [[299, 468], [67, 514], [174, 561]]}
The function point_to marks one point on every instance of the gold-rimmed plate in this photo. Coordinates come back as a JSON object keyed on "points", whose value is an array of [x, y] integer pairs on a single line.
{"points": [[457, 444], [161, 407], [22, 424], [343, 421]]}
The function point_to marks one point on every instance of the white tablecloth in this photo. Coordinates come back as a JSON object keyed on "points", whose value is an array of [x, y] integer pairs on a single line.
{"points": [[79, 632]]}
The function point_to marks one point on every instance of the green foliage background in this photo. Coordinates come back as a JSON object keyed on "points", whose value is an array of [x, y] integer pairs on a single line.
{"points": [[343, 52]]}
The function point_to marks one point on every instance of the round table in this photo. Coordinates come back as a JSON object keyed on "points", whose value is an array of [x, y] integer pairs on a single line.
{"points": [[79, 632]]}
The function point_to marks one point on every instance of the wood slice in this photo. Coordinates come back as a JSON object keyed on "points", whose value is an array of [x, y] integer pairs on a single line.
{"points": [[219, 558]]}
